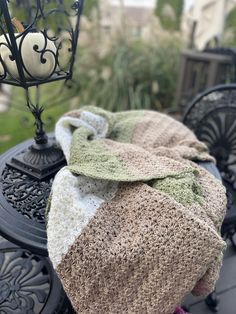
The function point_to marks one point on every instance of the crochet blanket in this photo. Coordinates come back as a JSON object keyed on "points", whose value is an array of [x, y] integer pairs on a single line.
{"points": [[133, 222]]}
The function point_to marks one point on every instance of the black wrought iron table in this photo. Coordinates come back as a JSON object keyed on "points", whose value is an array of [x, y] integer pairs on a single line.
{"points": [[28, 283]]}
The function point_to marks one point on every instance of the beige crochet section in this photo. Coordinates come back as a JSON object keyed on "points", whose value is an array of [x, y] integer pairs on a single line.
{"points": [[142, 252], [162, 135]]}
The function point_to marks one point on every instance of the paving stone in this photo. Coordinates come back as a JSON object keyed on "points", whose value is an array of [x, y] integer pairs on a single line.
{"points": [[227, 304], [227, 278], [230, 251], [225, 284]]}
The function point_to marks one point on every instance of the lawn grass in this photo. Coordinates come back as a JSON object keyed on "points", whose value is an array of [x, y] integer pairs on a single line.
{"points": [[17, 124]]}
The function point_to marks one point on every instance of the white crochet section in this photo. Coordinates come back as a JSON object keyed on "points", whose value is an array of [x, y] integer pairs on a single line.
{"points": [[66, 125], [77, 201]]}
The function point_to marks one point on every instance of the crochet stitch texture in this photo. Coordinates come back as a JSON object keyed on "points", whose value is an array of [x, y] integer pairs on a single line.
{"points": [[133, 222]]}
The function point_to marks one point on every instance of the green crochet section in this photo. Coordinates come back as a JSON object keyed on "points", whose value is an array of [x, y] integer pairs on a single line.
{"points": [[92, 159], [183, 188], [125, 127]]}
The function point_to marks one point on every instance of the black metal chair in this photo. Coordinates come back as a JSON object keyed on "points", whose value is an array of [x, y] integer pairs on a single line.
{"points": [[212, 117]]}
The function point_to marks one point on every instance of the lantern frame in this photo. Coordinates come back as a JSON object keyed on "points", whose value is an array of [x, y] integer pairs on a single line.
{"points": [[15, 42], [60, 38]]}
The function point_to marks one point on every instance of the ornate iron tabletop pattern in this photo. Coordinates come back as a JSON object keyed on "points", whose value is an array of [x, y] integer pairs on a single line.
{"points": [[24, 282], [28, 196], [23, 200], [28, 283]]}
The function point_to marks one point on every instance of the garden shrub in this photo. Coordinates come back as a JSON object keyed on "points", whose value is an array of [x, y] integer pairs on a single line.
{"points": [[130, 75]]}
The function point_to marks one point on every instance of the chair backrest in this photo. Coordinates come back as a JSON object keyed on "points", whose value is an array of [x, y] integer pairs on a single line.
{"points": [[212, 117], [201, 70]]}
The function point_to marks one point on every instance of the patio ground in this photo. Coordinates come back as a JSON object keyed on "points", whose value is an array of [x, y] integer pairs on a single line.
{"points": [[226, 289]]}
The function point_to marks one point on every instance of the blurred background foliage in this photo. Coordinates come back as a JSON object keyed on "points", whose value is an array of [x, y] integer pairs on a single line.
{"points": [[89, 5], [230, 29], [169, 13], [121, 73], [129, 75]]}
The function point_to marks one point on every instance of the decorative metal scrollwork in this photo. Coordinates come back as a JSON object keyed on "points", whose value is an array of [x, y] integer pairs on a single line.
{"points": [[24, 282], [213, 119], [44, 50], [218, 130], [26, 195], [208, 103]]}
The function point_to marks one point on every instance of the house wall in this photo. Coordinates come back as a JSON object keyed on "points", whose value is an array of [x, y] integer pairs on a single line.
{"points": [[135, 21]]}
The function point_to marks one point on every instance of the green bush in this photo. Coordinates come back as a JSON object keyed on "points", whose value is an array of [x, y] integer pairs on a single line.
{"points": [[230, 29], [167, 20], [131, 75]]}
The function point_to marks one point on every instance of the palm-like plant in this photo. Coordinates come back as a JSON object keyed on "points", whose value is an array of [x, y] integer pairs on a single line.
{"points": [[131, 75]]}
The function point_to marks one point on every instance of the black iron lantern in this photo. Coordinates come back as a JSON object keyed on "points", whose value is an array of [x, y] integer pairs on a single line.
{"points": [[38, 47], [38, 41]]}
